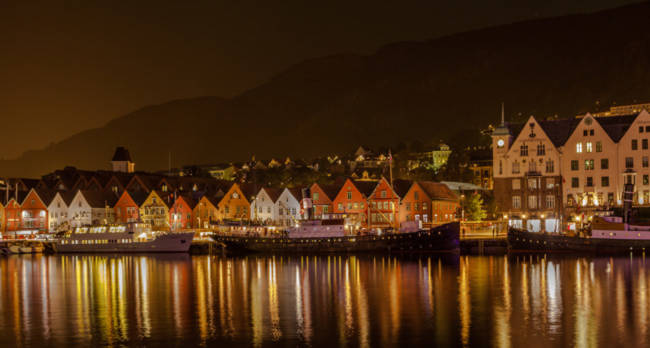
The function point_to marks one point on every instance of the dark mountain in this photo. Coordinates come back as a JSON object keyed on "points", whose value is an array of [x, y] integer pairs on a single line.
{"points": [[405, 91]]}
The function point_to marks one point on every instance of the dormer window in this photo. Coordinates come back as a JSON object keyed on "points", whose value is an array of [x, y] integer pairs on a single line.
{"points": [[163, 188]]}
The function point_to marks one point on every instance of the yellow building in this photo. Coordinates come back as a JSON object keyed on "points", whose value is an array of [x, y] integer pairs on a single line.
{"points": [[206, 212], [234, 205], [155, 210]]}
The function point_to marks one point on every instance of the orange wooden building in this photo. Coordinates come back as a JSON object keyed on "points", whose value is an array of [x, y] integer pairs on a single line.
{"points": [[234, 205], [383, 206], [430, 202], [127, 208], [351, 202]]}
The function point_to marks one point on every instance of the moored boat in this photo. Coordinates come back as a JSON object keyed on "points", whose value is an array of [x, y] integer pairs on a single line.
{"points": [[15, 249], [609, 235], [330, 238], [26, 249], [129, 238]]}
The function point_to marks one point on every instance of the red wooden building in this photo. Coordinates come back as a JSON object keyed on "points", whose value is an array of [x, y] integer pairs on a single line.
{"points": [[351, 202]]}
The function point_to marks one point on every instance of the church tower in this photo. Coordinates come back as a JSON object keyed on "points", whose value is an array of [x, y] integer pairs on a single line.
{"points": [[122, 161]]}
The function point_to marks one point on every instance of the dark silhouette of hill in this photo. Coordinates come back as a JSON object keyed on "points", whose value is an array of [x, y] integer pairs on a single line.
{"points": [[405, 91]]}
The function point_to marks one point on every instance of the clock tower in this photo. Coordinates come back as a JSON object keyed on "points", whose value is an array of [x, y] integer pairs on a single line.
{"points": [[501, 139]]}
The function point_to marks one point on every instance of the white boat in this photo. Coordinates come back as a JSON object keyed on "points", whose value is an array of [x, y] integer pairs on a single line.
{"points": [[26, 250], [15, 249], [129, 238]]}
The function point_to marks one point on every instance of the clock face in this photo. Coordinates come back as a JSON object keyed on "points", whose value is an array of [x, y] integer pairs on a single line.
{"points": [[235, 195], [500, 143]]}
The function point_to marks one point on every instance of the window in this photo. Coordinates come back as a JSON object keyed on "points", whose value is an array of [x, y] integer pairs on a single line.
{"points": [[579, 147], [640, 129], [349, 194], [629, 162], [550, 183], [604, 181], [610, 197], [516, 184], [416, 195], [550, 168], [383, 194], [349, 206], [550, 201], [516, 202], [644, 144], [569, 199], [585, 132], [599, 146], [604, 163], [532, 167], [541, 150], [645, 179], [589, 164], [340, 207], [575, 182], [647, 129], [590, 181], [574, 164], [591, 132], [515, 167], [532, 184], [500, 167], [523, 150], [315, 196], [532, 202], [408, 206], [589, 147], [635, 144], [644, 161]]}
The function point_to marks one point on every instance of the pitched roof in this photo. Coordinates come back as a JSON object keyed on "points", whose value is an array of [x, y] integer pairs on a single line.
{"points": [[437, 191], [189, 200], [138, 197], [121, 154], [296, 192], [331, 190], [273, 193]]}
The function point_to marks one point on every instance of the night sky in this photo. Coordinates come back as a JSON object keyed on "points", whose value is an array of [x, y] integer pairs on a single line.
{"points": [[67, 68]]}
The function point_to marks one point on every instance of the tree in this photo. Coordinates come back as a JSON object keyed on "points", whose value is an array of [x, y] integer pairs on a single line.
{"points": [[473, 207]]}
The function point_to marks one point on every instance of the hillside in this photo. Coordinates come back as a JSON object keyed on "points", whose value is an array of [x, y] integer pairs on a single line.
{"points": [[410, 90]]}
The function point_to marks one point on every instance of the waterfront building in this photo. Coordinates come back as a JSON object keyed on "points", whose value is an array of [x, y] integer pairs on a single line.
{"points": [[322, 197], [383, 205], [430, 202], [155, 209], [91, 208], [351, 202], [206, 211], [182, 213], [234, 205], [288, 206], [264, 208], [569, 169], [127, 207], [58, 212], [34, 214]]}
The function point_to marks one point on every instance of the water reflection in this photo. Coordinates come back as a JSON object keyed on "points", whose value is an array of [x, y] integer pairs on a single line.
{"points": [[367, 301]]}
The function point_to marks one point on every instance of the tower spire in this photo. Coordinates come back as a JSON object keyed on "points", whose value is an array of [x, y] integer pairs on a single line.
{"points": [[503, 115]]}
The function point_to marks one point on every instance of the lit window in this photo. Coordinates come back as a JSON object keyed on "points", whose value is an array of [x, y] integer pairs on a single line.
{"points": [[579, 147], [589, 147]]}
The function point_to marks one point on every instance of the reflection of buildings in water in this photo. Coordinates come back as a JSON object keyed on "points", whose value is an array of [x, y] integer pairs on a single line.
{"points": [[464, 301]]}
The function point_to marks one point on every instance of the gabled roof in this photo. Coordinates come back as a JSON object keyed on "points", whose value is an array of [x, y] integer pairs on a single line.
{"points": [[437, 191], [296, 192], [331, 190], [189, 200], [138, 197], [121, 154], [273, 193]]}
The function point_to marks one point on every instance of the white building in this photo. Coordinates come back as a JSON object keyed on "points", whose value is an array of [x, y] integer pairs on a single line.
{"points": [[264, 208], [90, 208], [288, 206], [58, 210], [585, 159]]}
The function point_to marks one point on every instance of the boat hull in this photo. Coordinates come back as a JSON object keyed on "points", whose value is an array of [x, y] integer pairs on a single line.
{"points": [[443, 238], [167, 243], [523, 241]]}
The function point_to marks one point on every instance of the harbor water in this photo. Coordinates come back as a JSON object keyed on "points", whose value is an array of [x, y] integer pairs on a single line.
{"points": [[179, 300]]}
